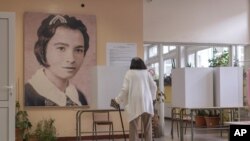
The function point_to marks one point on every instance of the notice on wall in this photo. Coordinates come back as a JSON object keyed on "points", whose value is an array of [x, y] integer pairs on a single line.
{"points": [[120, 54]]}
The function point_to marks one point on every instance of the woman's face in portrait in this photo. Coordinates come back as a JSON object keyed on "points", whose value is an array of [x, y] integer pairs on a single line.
{"points": [[65, 53]]}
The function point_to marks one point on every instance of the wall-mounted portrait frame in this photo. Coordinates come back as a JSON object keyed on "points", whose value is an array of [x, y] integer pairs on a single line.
{"points": [[59, 53]]}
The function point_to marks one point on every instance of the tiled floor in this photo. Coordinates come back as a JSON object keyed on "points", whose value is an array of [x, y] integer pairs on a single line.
{"points": [[204, 135], [199, 135]]}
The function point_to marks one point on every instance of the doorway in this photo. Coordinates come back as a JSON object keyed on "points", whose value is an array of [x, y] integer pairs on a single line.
{"points": [[7, 76]]}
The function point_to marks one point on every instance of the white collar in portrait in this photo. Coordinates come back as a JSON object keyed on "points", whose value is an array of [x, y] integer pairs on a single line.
{"points": [[48, 90]]}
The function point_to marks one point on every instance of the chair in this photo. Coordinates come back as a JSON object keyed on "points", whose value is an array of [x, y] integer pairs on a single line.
{"points": [[102, 118], [176, 118]]}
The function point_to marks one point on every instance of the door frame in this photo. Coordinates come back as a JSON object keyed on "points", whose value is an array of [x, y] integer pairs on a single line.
{"points": [[11, 63]]}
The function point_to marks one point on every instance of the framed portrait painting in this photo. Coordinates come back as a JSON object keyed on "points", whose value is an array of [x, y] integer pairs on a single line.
{"points": [[59, 53]]}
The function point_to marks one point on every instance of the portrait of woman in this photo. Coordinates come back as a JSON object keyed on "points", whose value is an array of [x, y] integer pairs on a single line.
{"points": [[61, 51]]}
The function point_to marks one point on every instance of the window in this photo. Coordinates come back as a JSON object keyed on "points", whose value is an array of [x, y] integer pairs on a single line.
{"points": [[238, 56], [167, 67], [195, 55], [167, 49], [217, 51], [191, 60], [152, 51], [155, 66], [203, 56], [172, 48]]}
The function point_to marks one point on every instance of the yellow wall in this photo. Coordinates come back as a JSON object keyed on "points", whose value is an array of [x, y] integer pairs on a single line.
{"points": [[117, 21], [168, 93]]}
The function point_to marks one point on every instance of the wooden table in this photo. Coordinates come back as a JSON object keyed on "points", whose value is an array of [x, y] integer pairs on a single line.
{"points": [[238, 123]]}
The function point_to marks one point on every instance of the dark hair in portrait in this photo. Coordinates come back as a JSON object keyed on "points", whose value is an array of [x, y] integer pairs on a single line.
{"points": [[137, 64], [49, 85], [48, 29]]}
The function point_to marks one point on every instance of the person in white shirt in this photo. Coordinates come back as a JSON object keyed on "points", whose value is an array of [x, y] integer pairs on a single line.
{"points": [[137, 94]]}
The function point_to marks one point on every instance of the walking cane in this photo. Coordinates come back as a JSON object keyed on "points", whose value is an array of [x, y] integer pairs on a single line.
{"points": [[117, 106], [122, 123]]}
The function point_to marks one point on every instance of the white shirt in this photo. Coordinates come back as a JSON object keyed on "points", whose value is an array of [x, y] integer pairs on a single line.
{"points": [[138, 92], [48, 90]]}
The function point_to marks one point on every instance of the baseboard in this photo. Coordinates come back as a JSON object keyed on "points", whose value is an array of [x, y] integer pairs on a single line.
{"points": [[167, 118], [99, 137]]}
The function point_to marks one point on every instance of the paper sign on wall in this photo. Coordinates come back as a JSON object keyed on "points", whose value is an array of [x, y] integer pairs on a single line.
{"points": [[120, 54]]}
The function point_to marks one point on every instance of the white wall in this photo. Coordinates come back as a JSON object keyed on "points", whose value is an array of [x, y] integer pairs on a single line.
{"points": [[202, 21], [106, 84]]}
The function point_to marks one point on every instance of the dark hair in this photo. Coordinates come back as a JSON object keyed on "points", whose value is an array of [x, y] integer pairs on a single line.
{"points": [[47, 30], [137, 64]]}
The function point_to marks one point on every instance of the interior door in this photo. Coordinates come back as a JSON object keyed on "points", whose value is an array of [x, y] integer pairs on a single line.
{"points": [[7, 78]]}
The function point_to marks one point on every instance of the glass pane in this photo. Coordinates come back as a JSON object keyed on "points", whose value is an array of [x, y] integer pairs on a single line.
{"points": [[220, 57], [3, 59], [203, 56], [167, 67], [3, 124], [217, 51], [240, 55], [155, 67], [172, 48], [191, 60], [152, 51], [165, 49]]}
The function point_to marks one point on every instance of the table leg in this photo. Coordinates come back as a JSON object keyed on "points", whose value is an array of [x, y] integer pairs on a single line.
{"points": [[181, 124], [192, 125], [77, 126], [172, 122]]}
